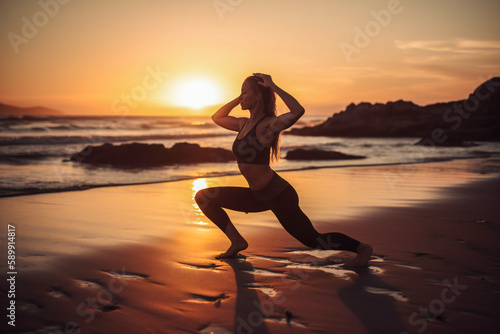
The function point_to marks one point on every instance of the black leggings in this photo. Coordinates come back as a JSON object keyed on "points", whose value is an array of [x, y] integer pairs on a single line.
{"points": [[285, 206]]}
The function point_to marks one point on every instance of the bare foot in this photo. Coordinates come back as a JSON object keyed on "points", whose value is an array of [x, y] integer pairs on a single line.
{"points": [[236, 247], [364, 252]]}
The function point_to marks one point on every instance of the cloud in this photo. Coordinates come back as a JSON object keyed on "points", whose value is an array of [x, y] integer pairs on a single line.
{"points": [[472, 44], [457, 58], [453, 46]]}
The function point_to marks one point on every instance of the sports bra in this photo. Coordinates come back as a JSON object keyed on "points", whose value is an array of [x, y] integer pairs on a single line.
{"points": [[248, 150]]}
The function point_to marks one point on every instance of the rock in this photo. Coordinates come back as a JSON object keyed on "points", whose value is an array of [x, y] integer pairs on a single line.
{"points": [[474, 118], [315, 154], [138, 155], [186, 153]]}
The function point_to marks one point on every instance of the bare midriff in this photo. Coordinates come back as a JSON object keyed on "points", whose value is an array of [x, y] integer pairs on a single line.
{"points": [[257, 176]]}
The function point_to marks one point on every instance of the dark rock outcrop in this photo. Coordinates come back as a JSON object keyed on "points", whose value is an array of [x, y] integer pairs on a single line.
{"points": [[475, 118], [139, 155], [315, 154]]}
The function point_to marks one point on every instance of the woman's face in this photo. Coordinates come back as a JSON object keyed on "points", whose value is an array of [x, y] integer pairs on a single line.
{"points": [[249, 96]]}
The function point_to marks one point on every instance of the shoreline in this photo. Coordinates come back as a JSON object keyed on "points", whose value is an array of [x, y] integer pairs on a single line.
{"points": [[145, 257], [306, 168], [339, 194]]}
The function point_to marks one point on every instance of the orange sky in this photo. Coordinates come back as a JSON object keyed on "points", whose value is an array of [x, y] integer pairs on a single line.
{"points": [[124, 56]]}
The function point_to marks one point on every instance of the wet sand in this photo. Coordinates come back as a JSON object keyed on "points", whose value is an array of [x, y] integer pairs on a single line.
{"points": [[140, 259]]}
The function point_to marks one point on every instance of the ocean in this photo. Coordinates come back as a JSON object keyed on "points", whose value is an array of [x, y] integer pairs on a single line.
{"points": [[34, 150]]}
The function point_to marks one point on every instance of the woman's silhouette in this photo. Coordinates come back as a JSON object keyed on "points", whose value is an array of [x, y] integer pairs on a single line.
{"points": [[258, 140]]}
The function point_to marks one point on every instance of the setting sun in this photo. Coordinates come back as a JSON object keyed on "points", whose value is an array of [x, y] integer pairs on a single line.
{"points": [[195, 93]]}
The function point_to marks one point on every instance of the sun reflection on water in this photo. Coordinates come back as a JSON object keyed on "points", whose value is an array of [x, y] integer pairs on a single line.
{"points": [[199, 184], [199, 218]]}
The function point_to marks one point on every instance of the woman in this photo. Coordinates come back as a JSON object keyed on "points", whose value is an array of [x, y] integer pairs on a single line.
{"points": [[256, 142]]}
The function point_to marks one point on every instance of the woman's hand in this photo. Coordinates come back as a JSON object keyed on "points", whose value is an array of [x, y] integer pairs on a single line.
{"points": [[237, 100], [268, 81], [285, 120]]}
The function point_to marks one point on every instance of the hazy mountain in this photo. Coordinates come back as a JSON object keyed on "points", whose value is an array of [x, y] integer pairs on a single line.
{"points": [[6, 109]]}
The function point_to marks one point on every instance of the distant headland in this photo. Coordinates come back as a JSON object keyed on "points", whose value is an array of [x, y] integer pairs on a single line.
{"points": [[474, 118], [6, 109]]}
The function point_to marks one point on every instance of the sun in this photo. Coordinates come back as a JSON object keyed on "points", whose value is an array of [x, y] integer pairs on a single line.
{"points": [[195, 93]]}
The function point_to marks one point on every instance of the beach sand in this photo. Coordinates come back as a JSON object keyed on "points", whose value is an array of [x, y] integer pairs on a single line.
{"points": [[140, 259]]}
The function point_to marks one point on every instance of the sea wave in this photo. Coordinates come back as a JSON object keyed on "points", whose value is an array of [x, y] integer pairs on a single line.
{"points": [[28, 158], [42, 188], [95, 139], [28, 123]]}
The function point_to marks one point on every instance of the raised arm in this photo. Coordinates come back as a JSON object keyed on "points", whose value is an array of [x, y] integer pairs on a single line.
{"points": [[288, 119], [222, 118]]}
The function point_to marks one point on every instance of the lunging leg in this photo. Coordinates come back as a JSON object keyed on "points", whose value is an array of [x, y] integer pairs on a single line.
{"points": [[211, 202], [287, 210]]}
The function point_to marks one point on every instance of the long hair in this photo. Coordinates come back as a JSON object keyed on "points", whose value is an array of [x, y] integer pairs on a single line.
{"points": [[269, 103]]}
